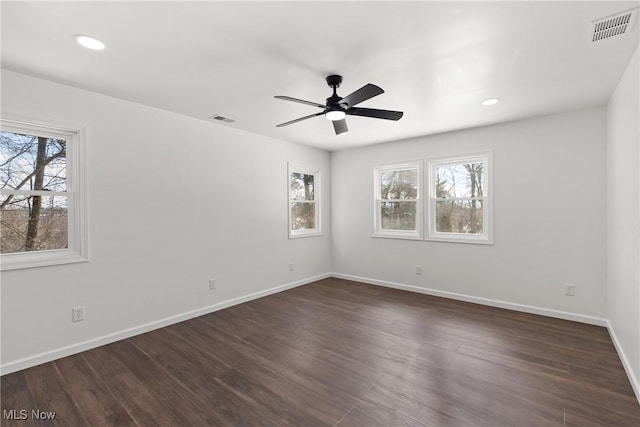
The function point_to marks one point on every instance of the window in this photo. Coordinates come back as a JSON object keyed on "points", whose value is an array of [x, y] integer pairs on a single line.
{"points": [[41, 195], [459, 199], [304, 202], [397, 201]]}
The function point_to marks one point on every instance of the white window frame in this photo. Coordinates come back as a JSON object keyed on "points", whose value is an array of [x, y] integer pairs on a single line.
{"points": [[295, 234], [77, 250], [486, 237], [378, 231]]}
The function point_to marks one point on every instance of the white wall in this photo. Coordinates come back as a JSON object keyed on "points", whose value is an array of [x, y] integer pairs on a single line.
{"points": [[549, 218], [623, 219], [221, 198], [173, 201]]}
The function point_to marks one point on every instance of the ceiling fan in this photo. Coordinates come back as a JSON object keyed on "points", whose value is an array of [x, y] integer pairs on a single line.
{"points": [[336, 108]]}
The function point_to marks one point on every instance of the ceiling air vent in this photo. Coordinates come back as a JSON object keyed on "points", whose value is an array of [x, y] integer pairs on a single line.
{"points": [[220, 118], [612, 26]]}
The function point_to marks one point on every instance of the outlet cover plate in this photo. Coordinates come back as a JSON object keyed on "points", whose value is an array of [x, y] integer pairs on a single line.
{"points": [[77, 314]]}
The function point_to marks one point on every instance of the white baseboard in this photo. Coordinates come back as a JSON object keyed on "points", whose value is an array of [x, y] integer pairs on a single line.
{"points": [[479, 300], [48, 356], [635, 384]]}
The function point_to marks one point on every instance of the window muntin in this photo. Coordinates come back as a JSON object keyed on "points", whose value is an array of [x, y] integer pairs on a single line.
{"points": [[304, 213], [41, 202], [397, 201], [460, 208]]}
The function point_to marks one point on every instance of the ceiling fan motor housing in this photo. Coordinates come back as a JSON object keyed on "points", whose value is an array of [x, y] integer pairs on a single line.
{"points": [[333, 103]]}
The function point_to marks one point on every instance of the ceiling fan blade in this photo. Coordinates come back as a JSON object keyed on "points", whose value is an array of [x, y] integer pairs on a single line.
{"points": [[299, 120], [375, 113], [301, 101], [367, 91], [340, 126]]}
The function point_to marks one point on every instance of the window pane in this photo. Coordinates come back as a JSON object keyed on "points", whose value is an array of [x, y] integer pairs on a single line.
{"points": [[459, 216], [398, 215], [399, 185], [303, 216], [29, 162], [33, 223], [301, 186], [459, 180]]}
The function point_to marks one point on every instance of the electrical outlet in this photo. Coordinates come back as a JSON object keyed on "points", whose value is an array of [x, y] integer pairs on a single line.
{"points": [[77, 314], [570, 289], [418, 269], [290, 266], [212, 284]]}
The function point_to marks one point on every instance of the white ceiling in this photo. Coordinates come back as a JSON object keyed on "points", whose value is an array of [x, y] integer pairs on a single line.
{"points": [[435, 60]]}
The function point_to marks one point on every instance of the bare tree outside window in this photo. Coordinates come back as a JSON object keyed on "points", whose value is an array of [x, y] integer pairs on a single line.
{"points": [[303, 203], [397, 212], [459, 192], [31, 219], [459, 204], [398, 192]]}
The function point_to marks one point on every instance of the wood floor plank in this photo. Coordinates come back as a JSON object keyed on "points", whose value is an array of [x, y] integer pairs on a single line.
{"points": [[50, 395], [477, 378], [285, 372], [97, 402], [218, 344], [518, 378], [233, 324], [598, 417], [146, 405], [256, 388], [329, 370], [183, 363], [16, 399], [340, 353], [515, 345], [305, 395], [594, 376], [441, 331], [442, 400], [367, 415], [521, 361], [163, 385], [284, 313], [279, 377], [573, 392]]}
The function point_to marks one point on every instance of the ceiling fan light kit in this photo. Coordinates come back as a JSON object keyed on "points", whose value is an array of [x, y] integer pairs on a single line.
{"points": [[337, 108], [334, 115]]}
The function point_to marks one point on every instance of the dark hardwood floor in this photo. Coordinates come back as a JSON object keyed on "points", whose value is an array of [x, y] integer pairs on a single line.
{"points": [[339, 353]]}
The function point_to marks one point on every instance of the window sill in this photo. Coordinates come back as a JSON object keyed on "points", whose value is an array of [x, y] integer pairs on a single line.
{"points": [[396, 236], [302, 235], [22, 260], [460, 240]]}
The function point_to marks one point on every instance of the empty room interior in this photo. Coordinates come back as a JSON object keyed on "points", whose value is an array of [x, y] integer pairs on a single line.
{"points": [[320, 213]]}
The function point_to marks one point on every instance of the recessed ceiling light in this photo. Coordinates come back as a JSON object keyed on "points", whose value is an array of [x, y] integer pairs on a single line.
{"points": [[490, 101], [89, 42]]}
